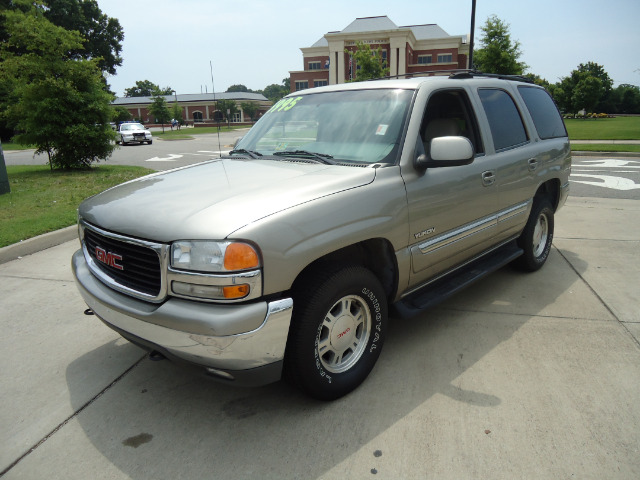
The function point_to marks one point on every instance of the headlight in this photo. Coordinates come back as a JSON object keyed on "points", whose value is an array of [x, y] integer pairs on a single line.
{"points": [[212, 271], [206, 256]]}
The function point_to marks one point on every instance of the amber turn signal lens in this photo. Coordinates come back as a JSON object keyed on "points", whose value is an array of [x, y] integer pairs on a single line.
{"points": [[240, 256], [236, 291]]}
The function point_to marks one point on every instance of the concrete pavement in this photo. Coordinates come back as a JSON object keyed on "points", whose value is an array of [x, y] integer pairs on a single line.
{"points": [[519, 376]]}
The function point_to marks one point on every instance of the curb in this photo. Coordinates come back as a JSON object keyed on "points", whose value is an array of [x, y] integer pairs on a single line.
{"points": [[36, 244], [579, 153]]}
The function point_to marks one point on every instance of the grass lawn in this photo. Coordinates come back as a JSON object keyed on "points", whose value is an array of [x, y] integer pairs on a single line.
{"points": [[42, 201], [186, 133], [618, 128], [15, 146]]}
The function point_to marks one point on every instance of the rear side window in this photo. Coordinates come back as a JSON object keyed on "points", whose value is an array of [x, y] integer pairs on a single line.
{"points": [[506, 124], [544, 112]]}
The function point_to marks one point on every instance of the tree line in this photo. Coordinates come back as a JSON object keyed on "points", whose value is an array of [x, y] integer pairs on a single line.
{"points": [[55, 57], [587, 88]]}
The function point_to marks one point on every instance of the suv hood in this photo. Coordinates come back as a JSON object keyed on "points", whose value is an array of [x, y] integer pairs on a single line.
{"points": [[211, 200]]}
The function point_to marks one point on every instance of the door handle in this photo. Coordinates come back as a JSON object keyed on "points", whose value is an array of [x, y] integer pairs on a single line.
{"points": [[533, 164], [488, 178]]}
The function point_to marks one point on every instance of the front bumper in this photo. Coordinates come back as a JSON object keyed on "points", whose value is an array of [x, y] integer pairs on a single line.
{"points": [[243, 342]]}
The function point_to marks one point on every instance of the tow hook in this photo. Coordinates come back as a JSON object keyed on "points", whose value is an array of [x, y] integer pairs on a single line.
{"points": [[88, 311]]}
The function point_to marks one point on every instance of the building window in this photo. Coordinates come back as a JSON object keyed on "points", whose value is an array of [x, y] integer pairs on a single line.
{"points": [[235, 118], [314, 65], [319, 83], [302, 85], [384, 59], [197, 116], [445, 58], [424, 59]]}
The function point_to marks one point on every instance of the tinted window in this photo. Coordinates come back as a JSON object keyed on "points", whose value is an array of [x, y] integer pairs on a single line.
{"points": [[506, 124], [543, 111]]}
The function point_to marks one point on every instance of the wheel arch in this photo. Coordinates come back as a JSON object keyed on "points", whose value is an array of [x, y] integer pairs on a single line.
{"points": [[375, 254], [551, 190]]}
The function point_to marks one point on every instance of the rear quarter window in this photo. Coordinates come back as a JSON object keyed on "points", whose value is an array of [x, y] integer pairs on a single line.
{"points": [[544, 112], [507, 128]]}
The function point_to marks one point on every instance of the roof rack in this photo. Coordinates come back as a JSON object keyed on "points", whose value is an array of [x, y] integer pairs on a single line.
{"points": [[475, 73], [460, 74]]}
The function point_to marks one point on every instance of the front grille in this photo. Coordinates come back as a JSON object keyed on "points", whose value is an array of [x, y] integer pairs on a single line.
{"points": [[132, 266]]}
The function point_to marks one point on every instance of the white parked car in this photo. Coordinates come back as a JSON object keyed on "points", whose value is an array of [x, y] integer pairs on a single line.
{"points": [[133, 132]]}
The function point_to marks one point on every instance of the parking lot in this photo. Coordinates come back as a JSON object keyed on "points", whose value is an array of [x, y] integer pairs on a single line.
{"points": [[519, 376]]}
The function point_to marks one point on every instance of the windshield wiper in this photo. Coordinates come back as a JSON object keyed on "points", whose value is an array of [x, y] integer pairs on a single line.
{"points": [[251, 153], [320, 157]]}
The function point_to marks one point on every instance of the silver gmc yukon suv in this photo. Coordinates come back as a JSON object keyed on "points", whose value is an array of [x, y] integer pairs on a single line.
{"points": [[284, 258]]}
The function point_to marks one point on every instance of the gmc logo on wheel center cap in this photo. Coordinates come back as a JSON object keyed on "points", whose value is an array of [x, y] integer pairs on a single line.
{"points": [[109, 258]]}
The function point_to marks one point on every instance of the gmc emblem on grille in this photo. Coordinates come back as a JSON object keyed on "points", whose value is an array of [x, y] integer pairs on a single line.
{"points": [[109, 258]]}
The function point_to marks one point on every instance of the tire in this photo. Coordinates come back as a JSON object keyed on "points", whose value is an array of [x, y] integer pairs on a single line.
{"points": [[537, 236], [337, 331], [122, 142], [149, 142]]}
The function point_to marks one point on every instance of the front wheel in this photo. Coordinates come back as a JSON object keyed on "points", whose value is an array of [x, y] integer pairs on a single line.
{"points": [[337, 331], [537, 236]]}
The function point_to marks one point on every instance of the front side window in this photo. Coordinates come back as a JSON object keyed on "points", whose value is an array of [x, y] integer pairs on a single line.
{"points": [[507, 128], [360, 126], [544, 112], [449, 113]]}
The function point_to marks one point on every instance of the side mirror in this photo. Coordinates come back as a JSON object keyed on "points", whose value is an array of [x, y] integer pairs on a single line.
{"points": [[446, 152]]}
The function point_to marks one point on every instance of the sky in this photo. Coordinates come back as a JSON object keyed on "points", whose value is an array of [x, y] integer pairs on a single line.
{"points": [[256, 43]]}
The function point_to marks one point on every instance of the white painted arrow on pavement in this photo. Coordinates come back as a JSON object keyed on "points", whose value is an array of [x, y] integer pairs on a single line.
{"points": [[616, 183], [170, 158]]}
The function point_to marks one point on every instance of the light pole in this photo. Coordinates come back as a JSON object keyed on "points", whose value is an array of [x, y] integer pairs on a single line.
{"points": [[473, 27]]}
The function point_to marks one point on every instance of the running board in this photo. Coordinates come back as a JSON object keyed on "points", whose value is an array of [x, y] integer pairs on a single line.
{"points": [[451, 284]]}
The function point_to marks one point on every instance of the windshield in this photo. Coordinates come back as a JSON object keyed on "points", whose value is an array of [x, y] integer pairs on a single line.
{"points": [[131, 126], [362, 126]]}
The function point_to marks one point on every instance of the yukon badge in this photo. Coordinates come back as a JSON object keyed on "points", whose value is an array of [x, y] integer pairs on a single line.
{"points": [[424, 232], [109, 258]]}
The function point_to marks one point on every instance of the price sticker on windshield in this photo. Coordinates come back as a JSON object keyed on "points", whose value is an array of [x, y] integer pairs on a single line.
{"points": [[285, 104]]}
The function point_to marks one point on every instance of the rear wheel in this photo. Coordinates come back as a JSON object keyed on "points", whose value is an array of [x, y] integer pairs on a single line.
{"points": [[537, 236], [337, 332]]}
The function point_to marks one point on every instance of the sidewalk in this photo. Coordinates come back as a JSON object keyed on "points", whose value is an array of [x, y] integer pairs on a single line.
{"points": [[519, 376]]}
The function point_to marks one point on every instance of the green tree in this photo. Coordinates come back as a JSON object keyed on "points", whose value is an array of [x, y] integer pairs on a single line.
{"points": [[103, 35], [120, 114], [238, 88], [56, 102], [368, 63], [587, 87], [499, 53], [145, 88], [249, 109], [160, 110], [274, 92], [230, 105]]}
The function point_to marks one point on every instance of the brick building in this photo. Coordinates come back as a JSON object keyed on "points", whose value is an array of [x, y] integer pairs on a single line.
{"points": [[410, 49], [196, 108]]}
